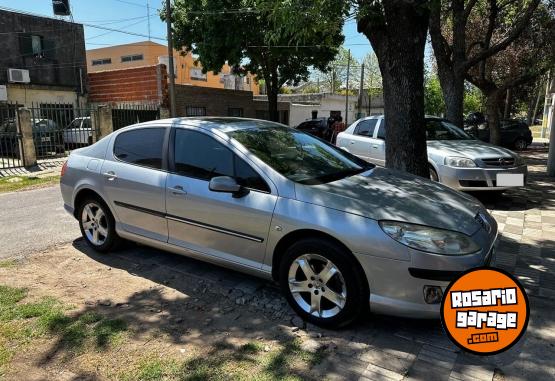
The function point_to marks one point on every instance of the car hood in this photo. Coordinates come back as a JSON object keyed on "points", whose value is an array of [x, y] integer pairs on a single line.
{"points": [[385, 194], [472, 149]]}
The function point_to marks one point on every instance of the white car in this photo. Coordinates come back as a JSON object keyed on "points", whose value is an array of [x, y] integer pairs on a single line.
{"points": [[78, 132], [455, 158]]}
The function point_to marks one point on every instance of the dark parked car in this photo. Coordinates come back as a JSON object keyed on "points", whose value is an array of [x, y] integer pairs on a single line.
{"points": [[46, 135], [514, 133], [317, 127]]}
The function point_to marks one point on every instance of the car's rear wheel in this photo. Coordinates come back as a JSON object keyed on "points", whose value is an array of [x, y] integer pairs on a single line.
{"points": [[520, 144], [323, 283], [433, 174], [97, 225]]}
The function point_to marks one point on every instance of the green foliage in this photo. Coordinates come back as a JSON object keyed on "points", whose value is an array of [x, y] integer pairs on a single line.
{"points": [[434, 104], [278, 41], [473, 100]]}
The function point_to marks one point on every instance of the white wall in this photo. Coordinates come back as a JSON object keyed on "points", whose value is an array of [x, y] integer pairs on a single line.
{"points": [[301, 112], [27, 97]]}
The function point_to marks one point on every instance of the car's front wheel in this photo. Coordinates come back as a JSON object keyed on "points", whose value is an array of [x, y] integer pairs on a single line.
{"points": [[97, 225], [520, 144], [323, 283]]}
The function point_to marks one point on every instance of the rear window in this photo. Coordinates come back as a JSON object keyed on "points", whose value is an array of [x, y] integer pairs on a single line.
{"points": [[142, 147]]}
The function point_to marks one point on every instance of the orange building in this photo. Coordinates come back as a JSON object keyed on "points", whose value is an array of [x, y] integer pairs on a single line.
{"points": [[148, 53]]}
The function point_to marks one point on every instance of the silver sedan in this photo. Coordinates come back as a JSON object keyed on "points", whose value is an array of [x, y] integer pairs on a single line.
{"points": [[339, 234], [455, 158]]}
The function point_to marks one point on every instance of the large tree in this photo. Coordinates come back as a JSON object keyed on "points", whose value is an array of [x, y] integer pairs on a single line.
{"points": [[456, 54], [397, 30], [522, 62], [260, 37]]}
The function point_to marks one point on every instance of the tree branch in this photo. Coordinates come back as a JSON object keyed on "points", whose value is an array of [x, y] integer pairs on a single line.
{"points": [[468, 9], [503, 44], [441, 47]]}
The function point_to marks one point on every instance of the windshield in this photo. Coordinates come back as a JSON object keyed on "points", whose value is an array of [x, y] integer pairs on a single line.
{"points": [[298, 156], [442, 130]]}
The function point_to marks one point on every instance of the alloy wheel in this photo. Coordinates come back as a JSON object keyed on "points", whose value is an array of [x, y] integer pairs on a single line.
{"points": [[317, 285], [95, 224], [520, 144]]}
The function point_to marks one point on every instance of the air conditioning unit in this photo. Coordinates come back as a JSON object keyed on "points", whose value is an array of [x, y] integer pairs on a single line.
{"points": [[18, 76]]}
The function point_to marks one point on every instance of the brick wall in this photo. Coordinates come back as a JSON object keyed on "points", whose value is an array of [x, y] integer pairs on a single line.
{"points": [[142, 84], [222, 102]]}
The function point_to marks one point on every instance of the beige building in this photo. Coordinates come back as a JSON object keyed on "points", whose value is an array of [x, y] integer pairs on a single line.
{"points": [[148, 53]]}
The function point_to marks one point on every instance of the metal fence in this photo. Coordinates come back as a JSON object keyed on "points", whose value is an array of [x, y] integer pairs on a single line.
{"points": [[11, 149], [59, 128], [128, 114]]}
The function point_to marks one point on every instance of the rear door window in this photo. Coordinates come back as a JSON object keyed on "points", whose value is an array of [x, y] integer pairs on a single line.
{"points": [[142, 147], [366, 127]]}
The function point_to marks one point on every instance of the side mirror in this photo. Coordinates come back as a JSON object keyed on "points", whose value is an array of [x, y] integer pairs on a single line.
{"points": [[226, 184]]}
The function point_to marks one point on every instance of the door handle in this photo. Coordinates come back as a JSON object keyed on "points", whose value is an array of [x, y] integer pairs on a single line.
{"points": [[375, 146], [178, 190], [110, 175], [352, 142]]}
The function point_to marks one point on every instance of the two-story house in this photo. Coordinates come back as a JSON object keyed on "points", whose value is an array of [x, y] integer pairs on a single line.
{"points": [[187, 72], [43, 61]]}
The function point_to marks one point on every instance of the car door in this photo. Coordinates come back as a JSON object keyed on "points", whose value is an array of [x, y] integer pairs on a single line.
{"points": [[377, 147], [233, 229], [360, 140], [134, 181]]}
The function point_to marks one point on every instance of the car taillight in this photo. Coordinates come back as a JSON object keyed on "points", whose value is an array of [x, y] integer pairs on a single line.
{"points": [[64, 169]]}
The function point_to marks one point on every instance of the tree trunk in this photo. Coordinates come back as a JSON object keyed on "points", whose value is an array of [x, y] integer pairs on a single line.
{"points": [[452, 88], [272, 90], [508, 104], [272, 105], [399, 45], [492, 112]]}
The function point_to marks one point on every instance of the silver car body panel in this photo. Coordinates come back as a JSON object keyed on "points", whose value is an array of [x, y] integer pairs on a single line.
{"points": [[372, 149], [243, 233]]}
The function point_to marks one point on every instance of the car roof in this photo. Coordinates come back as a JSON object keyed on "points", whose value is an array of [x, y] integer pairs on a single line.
{"points": [[223, 124]]}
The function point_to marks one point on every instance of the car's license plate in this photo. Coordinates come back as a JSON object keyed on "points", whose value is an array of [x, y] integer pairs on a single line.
{"points": [[45, 139], [510, 180]]}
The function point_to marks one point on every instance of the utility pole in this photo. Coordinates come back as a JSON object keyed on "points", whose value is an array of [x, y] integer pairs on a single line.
{"points": [[170, 59], [360, 89], [148, 17], [347, 89]]}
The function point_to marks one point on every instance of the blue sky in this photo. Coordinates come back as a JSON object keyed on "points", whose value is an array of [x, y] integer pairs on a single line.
{"points": [[131, 15]]}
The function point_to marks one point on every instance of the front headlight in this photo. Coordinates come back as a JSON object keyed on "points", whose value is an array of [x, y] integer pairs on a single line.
{"points": [[432, 240], [460, 162]]}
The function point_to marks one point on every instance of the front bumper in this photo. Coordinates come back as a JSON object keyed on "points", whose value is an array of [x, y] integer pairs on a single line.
{"points": [[476, 179], [396, 289]]}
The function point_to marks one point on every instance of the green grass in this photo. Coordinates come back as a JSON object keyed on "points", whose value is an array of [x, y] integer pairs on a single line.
{"points": [[6, 184], [8, 263], [225, 362], [22, 322]]}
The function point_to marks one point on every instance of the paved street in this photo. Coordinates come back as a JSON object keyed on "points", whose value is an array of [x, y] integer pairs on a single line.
{"points": [[379, 348], [34, 220]]}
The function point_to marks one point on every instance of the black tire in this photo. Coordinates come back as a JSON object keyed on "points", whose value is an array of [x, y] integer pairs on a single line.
{"points": [[112, 240], [520, 144], [433, 174], [355, 283]]}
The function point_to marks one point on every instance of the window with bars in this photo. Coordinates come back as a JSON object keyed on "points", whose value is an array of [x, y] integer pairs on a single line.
{"points": [[102, 61], [195, 111], [132, 57], [235, 111]]}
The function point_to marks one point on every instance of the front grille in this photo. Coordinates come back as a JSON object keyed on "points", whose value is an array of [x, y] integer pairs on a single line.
{"points": [[499, 162], [473, 183]]}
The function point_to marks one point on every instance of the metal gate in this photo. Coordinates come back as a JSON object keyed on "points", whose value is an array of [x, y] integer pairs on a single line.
{"points": [[11, 148], [59, 128], [127, 114]]}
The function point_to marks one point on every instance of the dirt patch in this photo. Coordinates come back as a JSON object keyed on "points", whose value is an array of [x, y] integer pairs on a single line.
{"points": [[104, 322]]}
